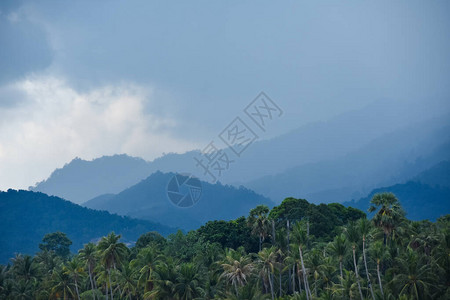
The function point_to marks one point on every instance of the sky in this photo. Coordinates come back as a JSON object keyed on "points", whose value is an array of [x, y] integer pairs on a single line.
{"points": [[92, 78]]}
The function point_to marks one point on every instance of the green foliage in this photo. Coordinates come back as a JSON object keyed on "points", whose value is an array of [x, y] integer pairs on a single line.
{"points": [[221, 260], [57, 242]]}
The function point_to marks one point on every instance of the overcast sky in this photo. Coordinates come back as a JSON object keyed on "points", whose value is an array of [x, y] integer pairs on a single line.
{"points": [[93, 78]]}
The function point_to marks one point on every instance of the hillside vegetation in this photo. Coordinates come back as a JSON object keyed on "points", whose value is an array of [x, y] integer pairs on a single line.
{"points": [[296, 250]]}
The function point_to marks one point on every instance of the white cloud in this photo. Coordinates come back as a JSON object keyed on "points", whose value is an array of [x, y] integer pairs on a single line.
{"points": [[56, 123]]}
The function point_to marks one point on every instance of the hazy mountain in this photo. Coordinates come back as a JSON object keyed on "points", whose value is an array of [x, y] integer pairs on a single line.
{"points": [[419, 200], [426, 196], [438, 175], [315, 143], [25, 217], [81, 180], [389, 159], [148, 200]]}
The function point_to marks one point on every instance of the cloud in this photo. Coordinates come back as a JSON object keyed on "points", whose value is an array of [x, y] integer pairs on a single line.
{"points": [[58, 123]]}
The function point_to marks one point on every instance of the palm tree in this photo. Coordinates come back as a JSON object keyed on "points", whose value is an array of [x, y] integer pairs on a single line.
{"points": [[62, 285], [236, 269], [364, 228], [188, 286], [147, 260], [353, 237], [89, 255], [389, 215], [128, 280], [339, 249], [75, 270], [22, 290], [259, 222], [379, 253], [301, 237], [24, 267], [112, 252], [414, 277], [346, 289], [314, 259], [247, 292], [266, 263], [165, 281]]}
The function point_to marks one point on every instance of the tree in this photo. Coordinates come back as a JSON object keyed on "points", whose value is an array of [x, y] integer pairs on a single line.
{"points": [[57, 242], [266, 263], [62, 286], [74, 269], [188, 286], [364, 228], [353, 237], [112, 252], [147, 260], [379, 253], [89, 255], [128, 280], [236, 269], [259, 222], [300, 236], [339, 249], [389, 215], [25, 268], [414, 277]]}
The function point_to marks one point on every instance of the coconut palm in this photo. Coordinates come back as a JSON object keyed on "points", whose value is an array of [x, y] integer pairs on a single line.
{"points": [[22, 290], [339, 249], [364, 229], [74, 268], [266, 266], [379, 253], [346, 288], [165, 281], [301, 237], [389, 214], [24, 267], [188, 283], [89, 255], [62, 285], [146, 261], [414, 277], [353, 236], [314, 259], [112, 252], [128, 280], [259, 222], [247, 292], [236, 269]]}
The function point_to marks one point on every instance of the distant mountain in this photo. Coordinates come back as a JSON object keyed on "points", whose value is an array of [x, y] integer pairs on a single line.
{"points": [[425, 196], [389, 159], [420, 201], [148, 200], [81, 180], [314, 143], [438, 175], [25, 217]]}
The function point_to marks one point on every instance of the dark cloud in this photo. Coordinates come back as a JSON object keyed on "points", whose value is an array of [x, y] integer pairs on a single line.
{"points": [[24, 47]]}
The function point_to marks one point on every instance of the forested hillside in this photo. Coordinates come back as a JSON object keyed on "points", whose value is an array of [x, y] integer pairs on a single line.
{"points": [[148, 200], [25, 217], [296, 250]]}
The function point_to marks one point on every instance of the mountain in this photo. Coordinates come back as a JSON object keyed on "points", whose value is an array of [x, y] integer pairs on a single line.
{"points": [[425, 196], [420, 201], [389, 159], [81, 180], [438, 175], [149, 200], [313, 143], [25, 217]]}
